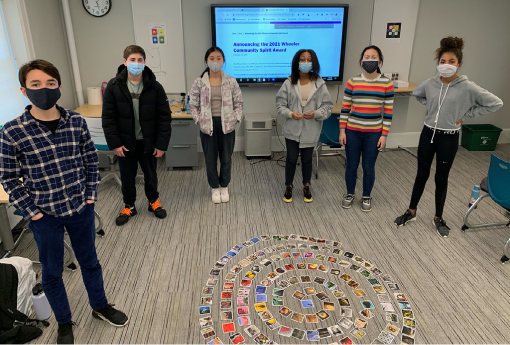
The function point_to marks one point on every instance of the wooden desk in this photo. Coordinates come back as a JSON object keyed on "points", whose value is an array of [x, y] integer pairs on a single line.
{"points": [[4, 198], [95, 111], [410, 88], [182, 149]]}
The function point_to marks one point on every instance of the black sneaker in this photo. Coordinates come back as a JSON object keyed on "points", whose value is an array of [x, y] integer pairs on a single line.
{"points": [[111, 315], [287, 197], [125, 214], [65, 333], [307, 195], [405, 218], [442, 229], [158, 210]]}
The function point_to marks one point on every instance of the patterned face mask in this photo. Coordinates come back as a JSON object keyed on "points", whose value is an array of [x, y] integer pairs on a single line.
{"points": [[370, 66]]}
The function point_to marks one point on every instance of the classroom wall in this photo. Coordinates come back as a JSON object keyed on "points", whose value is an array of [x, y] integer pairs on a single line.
{"points": [[485, 27], [397, 52], [50, 43], [100, 42]]}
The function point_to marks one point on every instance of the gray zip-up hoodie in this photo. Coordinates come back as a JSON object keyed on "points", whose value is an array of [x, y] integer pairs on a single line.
{"points": [[448, 104], [288, 100]]}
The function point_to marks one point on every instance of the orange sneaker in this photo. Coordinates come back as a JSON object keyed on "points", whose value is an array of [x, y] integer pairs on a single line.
{"points": [[125, 214], [157, 209]]}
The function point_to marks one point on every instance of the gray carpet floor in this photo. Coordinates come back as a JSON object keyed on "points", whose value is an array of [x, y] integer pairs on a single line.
{"points": [[155, 270]]}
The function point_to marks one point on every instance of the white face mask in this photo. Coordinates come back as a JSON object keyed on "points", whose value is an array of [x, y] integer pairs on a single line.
{"points": [[446, 70]]}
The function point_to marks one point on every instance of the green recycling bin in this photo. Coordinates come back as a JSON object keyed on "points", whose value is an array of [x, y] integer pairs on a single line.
{"points": [[481, 137]]}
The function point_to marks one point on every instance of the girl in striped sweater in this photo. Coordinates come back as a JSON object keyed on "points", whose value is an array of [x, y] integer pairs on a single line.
{"points": [[365, 121]]}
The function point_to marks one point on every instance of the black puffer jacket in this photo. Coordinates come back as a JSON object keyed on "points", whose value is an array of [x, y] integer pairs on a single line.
{"points": [[119, 120]]}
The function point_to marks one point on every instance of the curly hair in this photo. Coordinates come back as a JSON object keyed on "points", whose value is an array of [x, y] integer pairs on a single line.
{"points": [[450, 44]]}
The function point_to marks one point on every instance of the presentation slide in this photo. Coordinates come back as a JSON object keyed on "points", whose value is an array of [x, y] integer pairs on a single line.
{"points": [[260, 42]]}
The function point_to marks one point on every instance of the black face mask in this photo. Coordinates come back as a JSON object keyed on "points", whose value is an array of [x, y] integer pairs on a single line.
{"points": [[43, 98], [370, 66]]}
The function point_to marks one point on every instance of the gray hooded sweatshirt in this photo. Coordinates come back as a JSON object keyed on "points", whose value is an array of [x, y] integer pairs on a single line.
{"points": [[288, 100], [450, 103]]}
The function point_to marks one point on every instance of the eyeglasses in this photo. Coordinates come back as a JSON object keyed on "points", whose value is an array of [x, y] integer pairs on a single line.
{"points": [[305, 60]]}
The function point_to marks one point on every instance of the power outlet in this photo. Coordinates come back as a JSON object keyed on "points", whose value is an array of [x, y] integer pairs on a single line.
{"points": [[274, 121]]}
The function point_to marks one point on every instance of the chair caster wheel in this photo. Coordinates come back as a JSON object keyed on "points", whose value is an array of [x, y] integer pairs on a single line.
{"points": [[504, 259], [464, 227], [72, 266], [100, 232]]}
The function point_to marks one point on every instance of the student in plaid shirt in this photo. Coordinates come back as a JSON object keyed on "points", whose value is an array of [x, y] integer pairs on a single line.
{"points": [[49, 168]]}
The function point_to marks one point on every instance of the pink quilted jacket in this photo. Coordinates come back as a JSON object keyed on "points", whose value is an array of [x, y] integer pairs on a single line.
{"points": [[200, 103]]}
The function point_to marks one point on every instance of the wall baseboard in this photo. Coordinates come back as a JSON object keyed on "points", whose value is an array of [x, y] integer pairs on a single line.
{"points": [[409, 139]]}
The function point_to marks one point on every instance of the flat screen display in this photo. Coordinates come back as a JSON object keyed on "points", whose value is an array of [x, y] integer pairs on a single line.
{"points": [[259, 42]]}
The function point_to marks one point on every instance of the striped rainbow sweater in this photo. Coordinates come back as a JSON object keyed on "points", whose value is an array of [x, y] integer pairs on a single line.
{"points": [[363, 105]]}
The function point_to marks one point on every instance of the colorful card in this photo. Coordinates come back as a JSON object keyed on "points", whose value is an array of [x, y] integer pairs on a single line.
{"points": [[284, 311], [307, 303], [297, 317], [229, 327], [260, 298]]}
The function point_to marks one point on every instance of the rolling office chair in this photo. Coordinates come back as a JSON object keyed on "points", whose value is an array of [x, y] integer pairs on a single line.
{"points": [[329, 137], [497, 186]]}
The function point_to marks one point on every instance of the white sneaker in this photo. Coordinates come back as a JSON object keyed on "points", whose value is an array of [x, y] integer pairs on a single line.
{"points": [[216, 199], [224, 194]]}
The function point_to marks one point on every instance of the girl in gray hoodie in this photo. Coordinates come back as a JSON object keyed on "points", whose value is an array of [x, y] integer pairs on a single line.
{"points": [[449, 98], [304, 103]]}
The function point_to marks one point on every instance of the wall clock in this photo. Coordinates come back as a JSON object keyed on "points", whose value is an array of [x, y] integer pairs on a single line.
{"points": [[97, 8]]}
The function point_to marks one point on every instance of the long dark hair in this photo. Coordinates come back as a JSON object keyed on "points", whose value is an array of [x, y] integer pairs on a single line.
{"points": [[316, 67], [207, 53], [378, 50]]}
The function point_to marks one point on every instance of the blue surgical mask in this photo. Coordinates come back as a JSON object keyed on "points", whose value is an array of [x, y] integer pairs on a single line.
{"points": [[44, 99], [135, 68], [305, 67]]}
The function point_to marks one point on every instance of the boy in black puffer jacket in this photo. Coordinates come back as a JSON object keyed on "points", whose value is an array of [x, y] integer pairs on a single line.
{"points": [[137, 126]]}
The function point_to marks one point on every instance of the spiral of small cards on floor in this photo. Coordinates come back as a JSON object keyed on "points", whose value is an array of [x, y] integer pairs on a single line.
{"points": [[301, 289]]}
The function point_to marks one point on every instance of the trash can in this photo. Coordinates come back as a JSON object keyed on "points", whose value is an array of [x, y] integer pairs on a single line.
{"points": [[481, 137]]}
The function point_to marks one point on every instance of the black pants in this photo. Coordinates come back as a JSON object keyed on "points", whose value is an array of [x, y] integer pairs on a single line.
{"points": [[222, 145], [445, 147], [292, 157], [128, 167]]}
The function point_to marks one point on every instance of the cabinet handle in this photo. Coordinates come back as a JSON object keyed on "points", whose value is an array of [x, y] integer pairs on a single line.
{"points": [[180, 146], [181, 124]]}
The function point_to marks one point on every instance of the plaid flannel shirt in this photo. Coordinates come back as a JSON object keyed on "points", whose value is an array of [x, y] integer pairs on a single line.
{"points": [[55, 174]]}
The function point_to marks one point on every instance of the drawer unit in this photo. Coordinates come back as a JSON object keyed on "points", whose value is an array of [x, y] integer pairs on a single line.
{"points": [[182, 150], [183, 132], [181, 155]]}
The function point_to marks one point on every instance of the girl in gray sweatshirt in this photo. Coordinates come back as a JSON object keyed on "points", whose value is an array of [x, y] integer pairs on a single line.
{"points": [[304, 103], [449, 99]]}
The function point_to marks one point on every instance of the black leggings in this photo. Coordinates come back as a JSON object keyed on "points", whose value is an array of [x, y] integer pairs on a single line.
{"points": [[445, 146], [292, 157]]}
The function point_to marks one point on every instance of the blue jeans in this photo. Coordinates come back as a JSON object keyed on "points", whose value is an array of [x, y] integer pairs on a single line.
{"points": [[361, 144], [49, 235]]}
